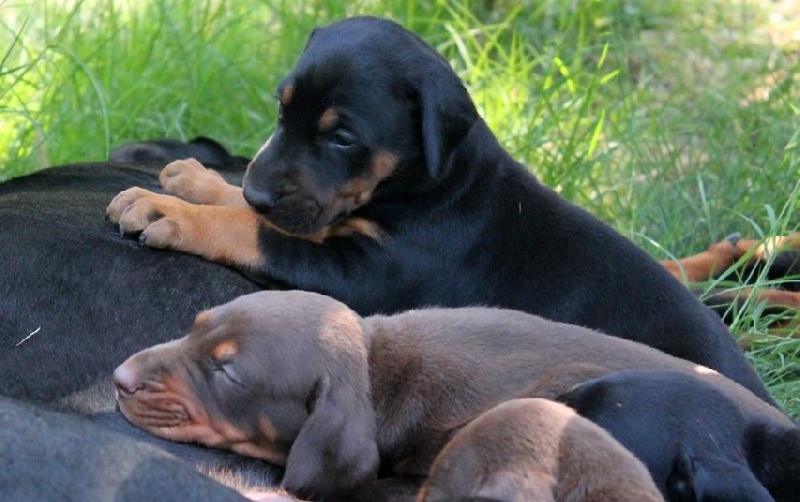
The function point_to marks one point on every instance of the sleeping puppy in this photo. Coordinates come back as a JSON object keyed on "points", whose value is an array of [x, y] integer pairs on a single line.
{"points": [[301, 380], [375, 125], [695, 439], [536, 449]]}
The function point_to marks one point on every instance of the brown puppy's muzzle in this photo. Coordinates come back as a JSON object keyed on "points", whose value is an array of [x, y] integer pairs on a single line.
{"points": [[159, 401]]}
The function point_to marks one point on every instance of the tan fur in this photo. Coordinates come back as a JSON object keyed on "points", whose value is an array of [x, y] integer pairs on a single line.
{"points": [[328, 120], [286, 95], [429, 371], [722, 255], [704, 266], [535, 449], [223, 234], [193, 182], [210, 218]]}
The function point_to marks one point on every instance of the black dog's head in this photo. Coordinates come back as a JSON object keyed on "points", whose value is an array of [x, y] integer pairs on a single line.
{"points": [[368, 105]]}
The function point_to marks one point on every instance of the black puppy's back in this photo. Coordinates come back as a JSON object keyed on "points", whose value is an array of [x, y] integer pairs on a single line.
{"points": [[693, 437]]}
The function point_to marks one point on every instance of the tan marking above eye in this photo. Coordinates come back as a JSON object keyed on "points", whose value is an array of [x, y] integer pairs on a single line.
{"points": [[203, 317], [328, 120], [225, 351], [287, 93]]}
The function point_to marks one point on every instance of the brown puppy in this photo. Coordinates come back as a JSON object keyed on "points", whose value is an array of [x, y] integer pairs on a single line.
{"points": [[299, 379], [536, 449]]}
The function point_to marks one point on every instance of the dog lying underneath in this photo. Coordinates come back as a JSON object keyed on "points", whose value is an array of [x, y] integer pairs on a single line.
{"points": [[694, 438], [376, 128], [536, 449], [299, 379]]}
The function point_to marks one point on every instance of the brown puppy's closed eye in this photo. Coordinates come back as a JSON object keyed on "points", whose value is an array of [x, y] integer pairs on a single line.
{"points": [[536, 449], [299, 379]]}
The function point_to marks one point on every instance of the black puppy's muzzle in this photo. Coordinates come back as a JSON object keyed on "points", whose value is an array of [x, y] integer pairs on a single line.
{"points": [[263, 196]]}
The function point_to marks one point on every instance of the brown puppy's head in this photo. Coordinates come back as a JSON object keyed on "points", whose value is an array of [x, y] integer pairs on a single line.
{"points": [[369, 103], [277, 375]]}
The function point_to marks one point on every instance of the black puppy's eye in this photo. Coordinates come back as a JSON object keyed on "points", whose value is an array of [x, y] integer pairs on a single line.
{"points": [[280, 113], [342, 138]]}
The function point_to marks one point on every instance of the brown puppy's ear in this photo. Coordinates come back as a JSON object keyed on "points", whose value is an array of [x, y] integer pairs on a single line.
{"points": [[337, 446]]}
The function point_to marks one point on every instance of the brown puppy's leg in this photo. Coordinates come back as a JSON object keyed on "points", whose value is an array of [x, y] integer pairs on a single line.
{"points": [[705, 265], [193, 182]]}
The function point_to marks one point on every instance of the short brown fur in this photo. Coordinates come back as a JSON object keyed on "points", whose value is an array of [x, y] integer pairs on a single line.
{"points": [[536, 449], [401, 381]]}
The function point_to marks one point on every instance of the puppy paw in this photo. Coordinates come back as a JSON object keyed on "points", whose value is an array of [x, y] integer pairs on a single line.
{"points": [[161, 221], [193, 182]]}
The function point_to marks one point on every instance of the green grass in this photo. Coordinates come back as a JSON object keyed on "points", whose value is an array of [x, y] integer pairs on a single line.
{"points": [[676, 121]]}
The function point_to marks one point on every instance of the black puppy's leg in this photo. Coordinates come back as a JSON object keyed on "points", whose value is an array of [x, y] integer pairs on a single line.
{"points": [[193, 182]]}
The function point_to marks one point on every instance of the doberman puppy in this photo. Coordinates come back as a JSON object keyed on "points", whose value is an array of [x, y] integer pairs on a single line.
{"points": [[537, 449], [375, 126], [743, 260], [696, 440], [301, 380]]}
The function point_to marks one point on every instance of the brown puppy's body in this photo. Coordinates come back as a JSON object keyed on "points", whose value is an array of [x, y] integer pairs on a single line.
{"points": [[536, 449], [299, 378]]}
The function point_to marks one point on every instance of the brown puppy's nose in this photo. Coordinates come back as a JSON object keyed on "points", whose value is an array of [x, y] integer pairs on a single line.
{"points": [[126, 380]]}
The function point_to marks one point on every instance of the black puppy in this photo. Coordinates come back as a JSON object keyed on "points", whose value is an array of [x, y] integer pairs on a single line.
{"points": [[167, 149], [375, 124], [698, 442]]}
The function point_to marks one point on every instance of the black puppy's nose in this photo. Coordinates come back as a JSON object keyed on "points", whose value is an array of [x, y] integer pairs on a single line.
{"points": [[259, 199], [126, 380]]}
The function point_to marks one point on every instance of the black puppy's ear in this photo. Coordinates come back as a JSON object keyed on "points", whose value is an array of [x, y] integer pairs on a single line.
{"points": [[773, 452], [337, 446], [310, 37], [447, 114], [680, 481], [692, 481]]}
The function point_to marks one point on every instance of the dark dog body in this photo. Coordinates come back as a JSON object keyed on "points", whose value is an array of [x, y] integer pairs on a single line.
{"points": [[87, 298], [697, 442], [375, 125], [301, 380], [53, 456]]}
